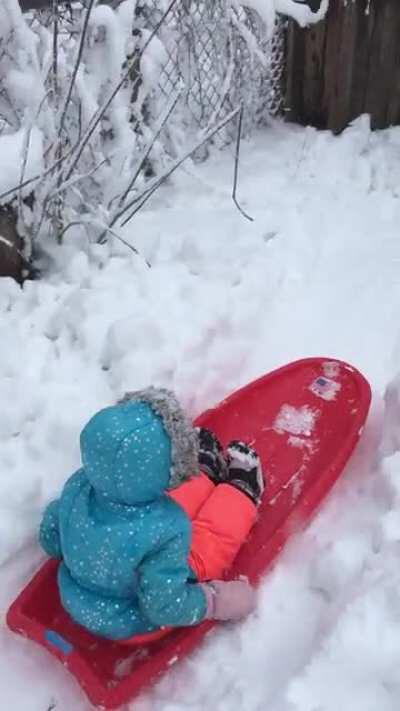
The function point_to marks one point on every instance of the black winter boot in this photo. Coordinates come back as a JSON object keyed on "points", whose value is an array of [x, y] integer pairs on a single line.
{"points": [[211, 457], [244, 470]]}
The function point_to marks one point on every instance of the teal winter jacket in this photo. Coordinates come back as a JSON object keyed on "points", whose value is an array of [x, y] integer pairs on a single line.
{"points": [[122, 542]]}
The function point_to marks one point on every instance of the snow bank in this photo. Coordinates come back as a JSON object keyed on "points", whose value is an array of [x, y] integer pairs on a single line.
{"points": [[224, 301]]}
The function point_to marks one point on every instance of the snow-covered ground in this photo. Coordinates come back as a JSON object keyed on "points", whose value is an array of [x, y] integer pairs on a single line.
{"points": [[225, 300]]}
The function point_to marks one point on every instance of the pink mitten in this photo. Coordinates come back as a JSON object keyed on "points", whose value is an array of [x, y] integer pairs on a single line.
{"points": [[232, 600]]}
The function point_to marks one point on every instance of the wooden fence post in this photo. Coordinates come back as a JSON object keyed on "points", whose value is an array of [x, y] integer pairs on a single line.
{"points": [[347, 65]]}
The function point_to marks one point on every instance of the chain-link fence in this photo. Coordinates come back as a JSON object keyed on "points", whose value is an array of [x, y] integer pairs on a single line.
{"points": [[124, 94], [219, 55], [216, 54]]}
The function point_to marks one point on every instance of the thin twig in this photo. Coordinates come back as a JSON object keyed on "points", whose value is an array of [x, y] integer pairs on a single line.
{"points": [[39, 176], [227, 82], [25, 153], [55, 52], [79, 119], [98, 115], [77, 65], [150, 189], [85, 223], [5, 94], [149, 192], [70, 183], [121, 239], [93, 123], [74, 223], [27, 141], [236, 170], [148, 151]]}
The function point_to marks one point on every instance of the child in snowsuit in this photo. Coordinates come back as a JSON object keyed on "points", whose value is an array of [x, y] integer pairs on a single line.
{"points": [[139, 546]]}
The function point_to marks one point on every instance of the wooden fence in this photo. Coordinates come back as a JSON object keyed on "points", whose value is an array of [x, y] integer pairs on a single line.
{"points": [[347, 65]]}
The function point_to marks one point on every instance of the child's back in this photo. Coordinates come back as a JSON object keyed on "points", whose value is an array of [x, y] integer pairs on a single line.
{"points": [[123, 541]]}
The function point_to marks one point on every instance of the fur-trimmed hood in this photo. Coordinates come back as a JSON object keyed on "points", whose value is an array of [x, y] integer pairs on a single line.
{"points": [[135, 450], [184, 438]]}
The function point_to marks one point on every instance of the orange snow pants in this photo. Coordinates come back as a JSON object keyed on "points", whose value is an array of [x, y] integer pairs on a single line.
{"points": [[222, 518]]}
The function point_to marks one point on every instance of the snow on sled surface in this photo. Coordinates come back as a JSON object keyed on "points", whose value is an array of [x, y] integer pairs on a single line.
{"points": [[305, 420]]}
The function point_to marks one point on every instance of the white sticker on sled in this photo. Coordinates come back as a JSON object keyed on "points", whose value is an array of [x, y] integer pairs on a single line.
{"points": [[325, 388], [331, 368], [296, 421]]}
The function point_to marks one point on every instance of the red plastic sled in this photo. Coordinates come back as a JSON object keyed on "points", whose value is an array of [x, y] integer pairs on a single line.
{"points": [[305, 420]]}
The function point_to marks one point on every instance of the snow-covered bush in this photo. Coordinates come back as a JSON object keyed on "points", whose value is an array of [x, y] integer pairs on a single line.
{"points": [[98, 109]]}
